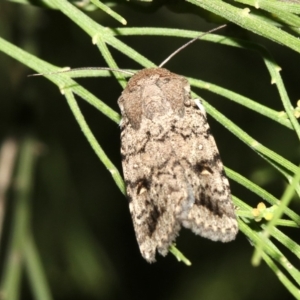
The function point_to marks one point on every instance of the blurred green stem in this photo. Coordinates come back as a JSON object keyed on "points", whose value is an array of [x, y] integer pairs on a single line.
{"points": [[19, 243], [8, 154], [10, 284], [35, 270]]}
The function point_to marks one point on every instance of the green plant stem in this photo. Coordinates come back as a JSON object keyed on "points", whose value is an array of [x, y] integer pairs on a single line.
{"points": [[11, 280], [35, 270], [253, 105], [110, 61], [286, 198], [8, 156], [61, 80], [247, 20], [283, 239], [109, 11], [282, 278], [263, 194], [179, 256], [292, 7], [247, 139], [284, 16], [287, 103], [271, 250], [94, 30], [93, 142]]}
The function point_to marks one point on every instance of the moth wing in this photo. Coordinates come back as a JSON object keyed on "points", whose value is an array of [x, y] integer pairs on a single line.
{"points": [[212, 213], [156, 187]]}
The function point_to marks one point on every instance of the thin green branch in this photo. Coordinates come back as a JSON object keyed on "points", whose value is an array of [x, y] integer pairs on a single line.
{"points": [[179, 256], [261, 193], [286, 198], [253, 105], [11, 279], [282, 6], [8, 159], [271, 250], [286, 223], [247, 20], [282, 278], [34, 268], [287, 103], [109, 11], [283, 239], [248, 140], [246, 211], [278, 12], [94, 30], [92, 140], [60, 79], [110, 61]]}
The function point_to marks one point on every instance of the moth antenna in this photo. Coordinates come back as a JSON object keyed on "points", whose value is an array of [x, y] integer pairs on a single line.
{"points": [[190, 42], [82, 69]]}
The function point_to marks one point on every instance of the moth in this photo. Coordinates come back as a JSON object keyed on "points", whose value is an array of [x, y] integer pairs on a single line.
{"points": [[172, 168], [173, 172]]}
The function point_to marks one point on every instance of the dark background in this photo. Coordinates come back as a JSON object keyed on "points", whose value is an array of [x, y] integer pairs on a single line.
{"points": [[80, 220]]}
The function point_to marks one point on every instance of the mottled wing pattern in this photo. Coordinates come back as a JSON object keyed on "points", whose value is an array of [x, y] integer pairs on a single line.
{"points": [[172, 169], [156, 187], [212, 215]]}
